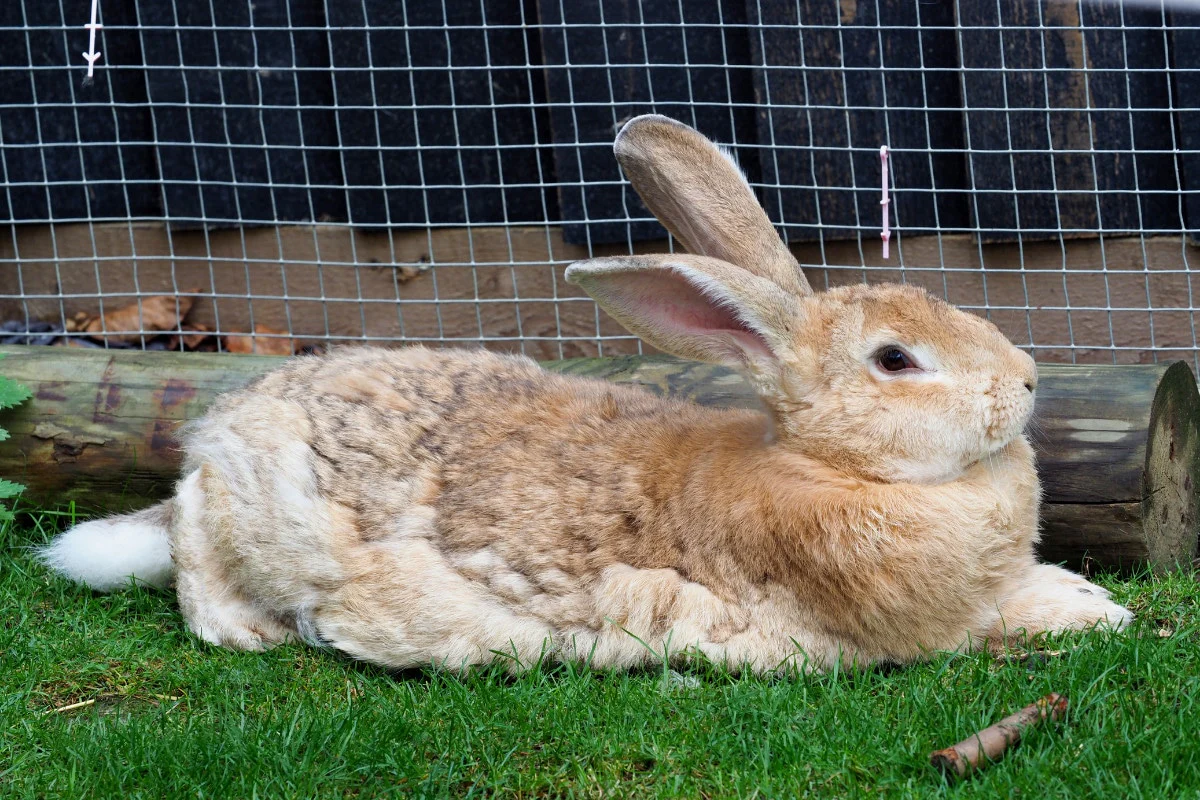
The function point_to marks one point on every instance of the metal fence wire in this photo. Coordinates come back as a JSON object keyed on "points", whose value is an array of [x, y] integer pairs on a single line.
{"points": [[276, 175]]}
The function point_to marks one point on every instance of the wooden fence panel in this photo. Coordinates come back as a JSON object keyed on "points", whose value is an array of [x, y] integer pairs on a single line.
{"points": [[598, 77], [226, 102], [1185, 61], [830, 77], [437, 122], [1049, 122], [95, 160]]}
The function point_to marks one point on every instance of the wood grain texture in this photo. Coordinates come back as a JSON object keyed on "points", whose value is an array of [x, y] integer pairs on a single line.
{"points": [[598, 77], [828, 80], [73, 149], [1117, 446], [1052, 148], [1169, 507], [1185, 84], [345, 282], [226, 83], [438, 113]]}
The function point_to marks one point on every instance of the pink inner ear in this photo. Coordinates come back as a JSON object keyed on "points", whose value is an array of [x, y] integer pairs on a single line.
{"points": [[668, 303]]}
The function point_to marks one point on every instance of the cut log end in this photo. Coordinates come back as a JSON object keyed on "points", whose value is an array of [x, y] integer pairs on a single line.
{"points": [[1119, 467], [1170, 495]]}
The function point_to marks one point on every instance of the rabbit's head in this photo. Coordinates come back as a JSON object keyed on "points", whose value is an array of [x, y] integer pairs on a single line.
{"points": [[885, 382]]}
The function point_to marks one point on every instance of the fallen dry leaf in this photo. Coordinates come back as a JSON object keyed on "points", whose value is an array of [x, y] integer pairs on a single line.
{"points": [[406, 272], [273, 343], [159, 313], [197, 333], [197, 337]]}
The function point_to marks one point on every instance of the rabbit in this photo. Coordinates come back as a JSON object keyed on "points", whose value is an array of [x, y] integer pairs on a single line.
{"points": [[414, 507]]}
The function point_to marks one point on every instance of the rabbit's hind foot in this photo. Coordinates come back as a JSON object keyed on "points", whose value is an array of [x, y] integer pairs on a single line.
{"points": [[213, 604], [224, 619]]}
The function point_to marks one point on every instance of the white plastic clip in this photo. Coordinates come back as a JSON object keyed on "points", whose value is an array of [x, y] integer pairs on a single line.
{"points": [[91, 55]]}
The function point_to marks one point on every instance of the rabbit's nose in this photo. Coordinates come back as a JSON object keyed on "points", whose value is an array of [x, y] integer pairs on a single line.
{"points": [[1030, 372]]}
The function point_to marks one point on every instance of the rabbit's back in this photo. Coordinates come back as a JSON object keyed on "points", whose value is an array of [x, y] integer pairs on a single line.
{"points": [[493, 442]]}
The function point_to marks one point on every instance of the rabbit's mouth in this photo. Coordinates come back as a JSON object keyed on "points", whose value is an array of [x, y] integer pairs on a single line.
{"points": [[999, 437], [1003, 434], [1009, 412]]}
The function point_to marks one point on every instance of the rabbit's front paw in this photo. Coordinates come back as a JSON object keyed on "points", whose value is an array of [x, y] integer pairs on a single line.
{"points": [[1052, 599]]}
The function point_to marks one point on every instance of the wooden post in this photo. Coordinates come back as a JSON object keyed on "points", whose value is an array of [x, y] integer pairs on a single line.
{"points": [[1118, 446]]}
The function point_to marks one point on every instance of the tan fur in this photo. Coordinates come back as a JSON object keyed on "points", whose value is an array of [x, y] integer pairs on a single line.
{"points": [[411, 507], [700, 195], [515, 511]]}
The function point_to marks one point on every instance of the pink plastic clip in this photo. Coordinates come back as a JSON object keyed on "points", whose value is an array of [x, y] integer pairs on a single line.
{"points": [[887, 234]]}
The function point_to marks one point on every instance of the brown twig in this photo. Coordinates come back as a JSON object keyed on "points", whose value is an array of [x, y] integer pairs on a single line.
{"points": [[1027, 656], [990, 744]]}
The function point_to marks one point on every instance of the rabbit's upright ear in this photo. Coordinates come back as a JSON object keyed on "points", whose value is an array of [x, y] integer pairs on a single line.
{"points": [[695, 307], [698, 192]]}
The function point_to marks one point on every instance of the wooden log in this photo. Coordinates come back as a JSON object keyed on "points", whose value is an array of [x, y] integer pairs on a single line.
{"points": [[1118, 446]]}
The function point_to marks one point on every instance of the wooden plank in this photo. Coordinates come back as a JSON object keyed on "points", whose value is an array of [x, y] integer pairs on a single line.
{"points": [[1118, 447], [1129, 87], [992, 131], [80, 171], [828, 72], [1184, 60], [1027, 95], [343, 283], [230, 139], [638, 62], [327, 281], [431, 138]]}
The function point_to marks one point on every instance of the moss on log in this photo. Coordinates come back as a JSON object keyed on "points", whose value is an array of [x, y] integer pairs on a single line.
{"points": [[1117, 446]]}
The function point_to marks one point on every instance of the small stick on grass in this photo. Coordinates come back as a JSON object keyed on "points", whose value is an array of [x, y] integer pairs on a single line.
{"points": [[72, 707], [1024, 656], [989, 744]]}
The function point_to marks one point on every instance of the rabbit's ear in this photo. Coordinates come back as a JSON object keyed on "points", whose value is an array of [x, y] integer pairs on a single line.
{"points": [[698, 192], [695, 307]]}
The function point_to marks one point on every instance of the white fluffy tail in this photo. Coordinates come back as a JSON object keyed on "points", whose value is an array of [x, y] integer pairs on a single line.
{"points": [[105, 553]]}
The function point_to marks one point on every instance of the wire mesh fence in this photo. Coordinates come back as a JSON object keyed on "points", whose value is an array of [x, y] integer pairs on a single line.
{"points": [[277, 175]]}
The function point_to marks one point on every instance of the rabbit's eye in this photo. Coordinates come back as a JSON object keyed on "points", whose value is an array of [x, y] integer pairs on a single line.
{"points": [[894, 360]]}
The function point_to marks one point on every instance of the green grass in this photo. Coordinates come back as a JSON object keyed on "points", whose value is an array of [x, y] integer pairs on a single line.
{"points": [[175, 717]]}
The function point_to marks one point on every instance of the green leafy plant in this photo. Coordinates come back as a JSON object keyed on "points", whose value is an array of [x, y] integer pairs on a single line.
{"points": [[12, 394]]}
